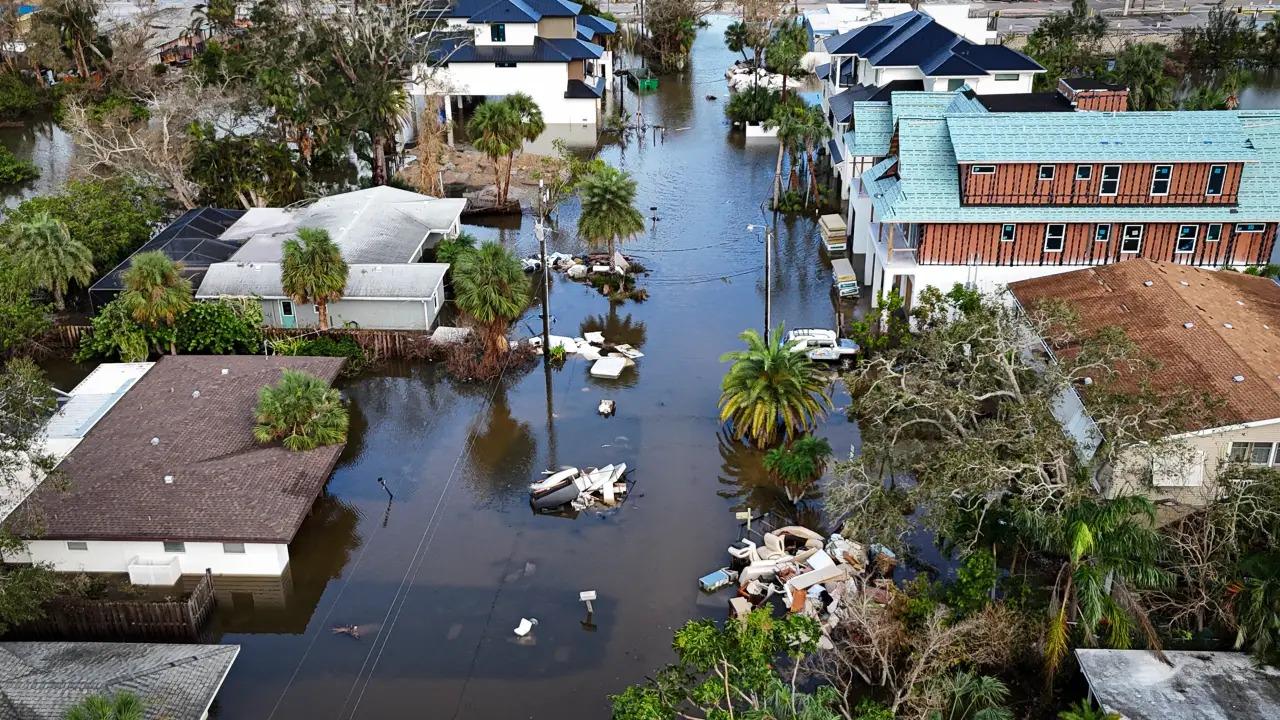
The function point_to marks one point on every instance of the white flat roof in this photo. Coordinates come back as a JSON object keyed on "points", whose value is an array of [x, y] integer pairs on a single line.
{"points": [[1198, 685]]}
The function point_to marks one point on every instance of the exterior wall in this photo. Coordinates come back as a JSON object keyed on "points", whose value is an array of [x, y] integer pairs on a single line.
{"points": [[980, 244], [989, 85], [367, 314], [517, 34], [114, 556], [558, 27], [544, 82], [1212, 449], [1019, 184], [1102, 100], [576, 71], [869, 75]]}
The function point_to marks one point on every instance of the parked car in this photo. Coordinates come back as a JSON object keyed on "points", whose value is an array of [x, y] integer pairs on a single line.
{"points": [[822, 345]]}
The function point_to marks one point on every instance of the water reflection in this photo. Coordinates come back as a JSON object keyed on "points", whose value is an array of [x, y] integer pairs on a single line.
{"points": [[501, 452], [617, 330]]}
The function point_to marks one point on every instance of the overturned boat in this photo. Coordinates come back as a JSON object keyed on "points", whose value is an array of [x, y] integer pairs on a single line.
{"points": [[572, 486]]}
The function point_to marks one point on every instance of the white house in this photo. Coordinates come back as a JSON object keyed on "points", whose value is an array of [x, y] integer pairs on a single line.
{"points": [[1211, 331], [836, 18], [381, 232], [159, 475], [546, 49]]}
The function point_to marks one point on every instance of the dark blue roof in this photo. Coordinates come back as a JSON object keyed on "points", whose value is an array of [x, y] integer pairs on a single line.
{"points": [[542, 50], [506, 11], [914, 39], [587, 90], [478, 10], [842, 103], [592, 25]]}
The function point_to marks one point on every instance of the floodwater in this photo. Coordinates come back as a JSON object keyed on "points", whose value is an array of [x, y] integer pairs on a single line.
{"points": [[437, 576]]}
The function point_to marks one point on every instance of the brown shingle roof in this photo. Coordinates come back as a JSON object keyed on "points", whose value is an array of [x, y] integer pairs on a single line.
{"points": [[1207, 355], [226, 487]]}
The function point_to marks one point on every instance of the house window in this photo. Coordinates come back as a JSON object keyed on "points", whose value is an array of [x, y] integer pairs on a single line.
{"points": [[233, 548], [80, 545], [982, 169], [1160, 179], [1102, 233], [504, 64], [1258, 453], [1008, 233], [1006, 77], [1084, 172], [498, 32], [1046, 172], [1214, 233], [1053, 237], [1187, 238], [1217, 174], [175, 547], [955, 84], [1249, 227], [1110, 180], [1131, 239]]}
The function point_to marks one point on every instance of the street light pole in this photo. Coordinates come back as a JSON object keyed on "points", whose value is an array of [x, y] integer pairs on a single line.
{"points": [[768, 280], [540, 229]]}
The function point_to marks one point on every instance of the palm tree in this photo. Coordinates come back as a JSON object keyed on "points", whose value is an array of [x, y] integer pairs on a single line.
{"points": [[123, 705], [737, 37], [490, 287], [609, 214], [790, 121], [1141, 67], [813, 131], [970, 696], [531, 126], [155, 292], [796, 466], [45, 252], [771, 390], [1256, 605], [1082, 710], [301, 411], [1109, 548], [313, 271]]}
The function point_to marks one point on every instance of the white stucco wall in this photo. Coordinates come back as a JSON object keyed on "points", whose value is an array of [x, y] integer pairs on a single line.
{"points": [[988, 85], [517, 33], [544, 82], [114, 556]]}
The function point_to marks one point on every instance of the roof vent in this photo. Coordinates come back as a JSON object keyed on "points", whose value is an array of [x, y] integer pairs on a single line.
{"points": [[1088, 380], [1184, 283], [1188, 325], [1238, 378], [1147, 283], [168, 479], [1228, 326], [155, 441], [195, 394], [225, 371], [1240, 303]]}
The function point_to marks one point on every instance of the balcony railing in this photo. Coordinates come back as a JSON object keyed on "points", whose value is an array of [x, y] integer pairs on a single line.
{"points": [[899, 245]]}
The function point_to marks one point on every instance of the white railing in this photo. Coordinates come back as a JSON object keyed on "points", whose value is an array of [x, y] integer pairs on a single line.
{"points": [[154, 570]]}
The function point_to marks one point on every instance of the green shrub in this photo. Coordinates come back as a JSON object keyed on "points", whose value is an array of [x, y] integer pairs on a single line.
{"points": [[222, 327], [753, 105], [17, 97], [448, 250], [324, 346], [13, 170]]}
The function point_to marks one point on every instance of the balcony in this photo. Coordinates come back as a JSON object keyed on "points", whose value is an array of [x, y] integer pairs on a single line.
{"points": [[154, 570], [894, 243]]}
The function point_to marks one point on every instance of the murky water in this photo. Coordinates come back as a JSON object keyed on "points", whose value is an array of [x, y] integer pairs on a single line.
{"points": [[438, 577]]}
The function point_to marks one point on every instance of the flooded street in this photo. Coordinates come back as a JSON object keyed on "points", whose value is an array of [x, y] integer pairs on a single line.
{"points": [[438, 578]]}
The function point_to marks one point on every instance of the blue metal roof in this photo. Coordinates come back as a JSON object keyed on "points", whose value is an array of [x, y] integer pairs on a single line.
{"points": [[481, 10], [591, 25], [542, 50], [914, 39], [506, 11], [1175, 136]]}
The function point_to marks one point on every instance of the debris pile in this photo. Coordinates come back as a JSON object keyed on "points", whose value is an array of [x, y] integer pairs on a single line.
{"points": [[742, 76], [578, 267], [806, 573], [608, 360], [575, 489]]}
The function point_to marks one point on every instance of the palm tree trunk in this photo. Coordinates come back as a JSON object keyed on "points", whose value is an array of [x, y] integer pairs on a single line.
{"points": [[58, 302], [777, 178], [511, 161], [379, 160], [322, 312], [813, 175]]}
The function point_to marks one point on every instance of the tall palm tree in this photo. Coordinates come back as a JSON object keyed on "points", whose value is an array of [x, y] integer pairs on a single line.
{"points": [[1141, 67], [1110, 548], [1256, 606], [301, 411], [789, 120], [490, 287], [609, 214], [155, 292], [771, 392], [313, 271], [737, 37], [122, 705], [45, 252], [813, 131], [531, 126], [497, 130]]}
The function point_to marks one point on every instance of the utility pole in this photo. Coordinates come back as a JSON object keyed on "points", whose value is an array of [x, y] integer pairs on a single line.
{"points": [[768, 280], [540, 229]]}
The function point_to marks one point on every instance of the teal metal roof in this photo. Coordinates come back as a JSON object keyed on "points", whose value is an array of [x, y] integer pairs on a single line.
{"points": [[926, 189], [1177, 136], [872, 129], [920, 104]]}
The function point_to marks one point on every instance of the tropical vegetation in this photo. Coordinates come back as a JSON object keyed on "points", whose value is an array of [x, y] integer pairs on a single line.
{"points": [[798, 465], [609, 214], [301, 412], [156, 294], [491, 289], [499, 129], [42, 248], [313, 270], [771, 393], [122, 705]]}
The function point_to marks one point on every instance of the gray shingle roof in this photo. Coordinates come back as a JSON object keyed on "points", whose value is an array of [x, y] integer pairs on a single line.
{"points": [[42, 680], [364, 281], [226, 487]]}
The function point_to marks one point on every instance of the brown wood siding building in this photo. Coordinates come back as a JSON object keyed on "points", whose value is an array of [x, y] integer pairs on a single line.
{"points": [[981, 244], [1020, 184]]}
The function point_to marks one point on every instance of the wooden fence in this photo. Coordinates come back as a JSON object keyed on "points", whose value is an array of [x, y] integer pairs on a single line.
{"points": [[379, 344], [67, 336], [85, 619]]}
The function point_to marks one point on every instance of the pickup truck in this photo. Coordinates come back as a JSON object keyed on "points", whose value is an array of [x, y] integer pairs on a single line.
{"points": [[824, 346]]}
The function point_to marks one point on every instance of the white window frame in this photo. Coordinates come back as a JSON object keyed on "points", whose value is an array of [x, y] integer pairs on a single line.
{"points": [[982, 169], [1242, 228], [1053, 173], [1195, 237], [77, 546], [1209, 182], [1106, 236], [1124, 236], [1272, 456], [1061, 237], [168, 545], [233, 548], [1102, 186], [1012, 235], [1088, 173], [1168, 182], [1007, 77], [1210, 235]]}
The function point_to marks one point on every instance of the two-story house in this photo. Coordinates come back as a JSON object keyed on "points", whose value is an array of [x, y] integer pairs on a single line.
{"points": [[980, 197], [547, 49], [911, 51]]}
